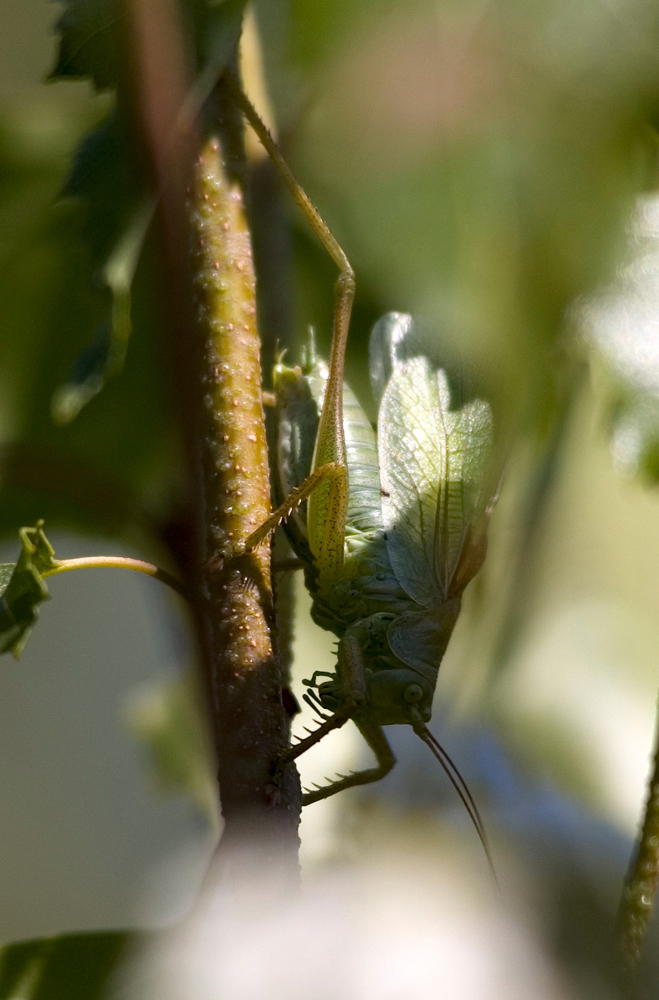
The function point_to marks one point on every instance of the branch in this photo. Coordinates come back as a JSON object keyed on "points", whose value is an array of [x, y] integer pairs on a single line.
{"points": [[641, 883], [215, 357]]}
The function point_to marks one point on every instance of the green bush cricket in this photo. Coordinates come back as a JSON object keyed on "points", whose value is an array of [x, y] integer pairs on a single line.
{"points": [[395, 526]]}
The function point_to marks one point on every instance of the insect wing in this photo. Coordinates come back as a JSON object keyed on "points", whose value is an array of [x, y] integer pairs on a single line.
{"points": [[364, 508], [297, 413], [411, 446], [462, 507], [297, 423], [387, 345], [432, 463], [420, 638], [474, 428], [300, 396]]}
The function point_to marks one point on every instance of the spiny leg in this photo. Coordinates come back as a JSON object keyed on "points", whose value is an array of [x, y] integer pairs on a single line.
{"points": [[328, 505], [312, 682], [351, 668], [374, 736], [335, 722], [316, 705], [332, 471]]}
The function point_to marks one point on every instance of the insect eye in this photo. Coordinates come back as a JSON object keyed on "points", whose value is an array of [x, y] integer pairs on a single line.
{"points": [[413, 694]]}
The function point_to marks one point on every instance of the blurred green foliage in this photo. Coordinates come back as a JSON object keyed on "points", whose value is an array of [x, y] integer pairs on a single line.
{"points": [[76, 966], [71, 300], [478, 160], [166, 720]]}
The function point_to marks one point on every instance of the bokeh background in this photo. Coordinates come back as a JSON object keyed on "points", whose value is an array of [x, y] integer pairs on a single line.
{"points": [[489, 167]]}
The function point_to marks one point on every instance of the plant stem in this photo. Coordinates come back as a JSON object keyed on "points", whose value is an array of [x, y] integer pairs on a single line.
{"points": [[214, 353], [251, 728], [119, 562], [642, 879]]}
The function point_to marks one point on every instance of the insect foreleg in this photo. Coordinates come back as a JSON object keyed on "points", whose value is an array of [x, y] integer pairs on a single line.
{"points": [[351, 668], [286, 565], [314, 702], [374, 736], [312, 682]]}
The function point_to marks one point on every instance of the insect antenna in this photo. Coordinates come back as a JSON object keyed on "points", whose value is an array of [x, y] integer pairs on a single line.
{"points": [[449, 765], [462, 789]]}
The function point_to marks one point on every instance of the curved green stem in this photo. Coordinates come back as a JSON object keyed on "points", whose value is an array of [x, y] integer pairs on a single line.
{"points": [[118, 562]]}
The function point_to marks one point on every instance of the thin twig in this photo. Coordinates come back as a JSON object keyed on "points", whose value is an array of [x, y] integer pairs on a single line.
{"points": [[119, 562], [642, 879]]}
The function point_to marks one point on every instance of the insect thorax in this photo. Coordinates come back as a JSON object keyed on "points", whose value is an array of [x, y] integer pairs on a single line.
{"points": [[364, 604], [367, 588], [392, 686]]}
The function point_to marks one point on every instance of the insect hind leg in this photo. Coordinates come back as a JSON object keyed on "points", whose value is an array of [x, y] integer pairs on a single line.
{"points": [[374, 736], [351, 669], [329, 471]]}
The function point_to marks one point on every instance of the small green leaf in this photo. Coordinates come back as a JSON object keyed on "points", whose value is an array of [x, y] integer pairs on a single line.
{"points": [[37, 548], [104, 357], [103, 176], [22, 589], [75, 966], [118, 211], [87, 42]]}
